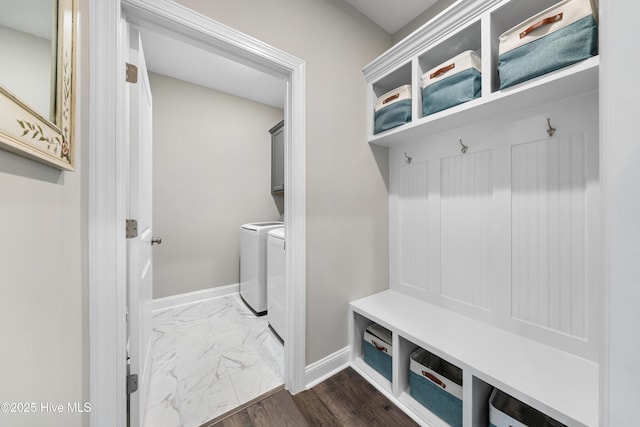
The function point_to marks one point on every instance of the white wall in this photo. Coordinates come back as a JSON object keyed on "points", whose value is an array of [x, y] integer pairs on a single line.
{"points": [[211, 174], [29, 73], [347, 195], [43, 309]]}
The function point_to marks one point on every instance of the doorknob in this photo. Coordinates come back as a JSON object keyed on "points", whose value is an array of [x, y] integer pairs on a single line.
{"points": [[156, 241]]}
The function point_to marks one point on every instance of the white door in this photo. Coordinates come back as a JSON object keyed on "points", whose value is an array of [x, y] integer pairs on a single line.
{"points": [[139, 251]]}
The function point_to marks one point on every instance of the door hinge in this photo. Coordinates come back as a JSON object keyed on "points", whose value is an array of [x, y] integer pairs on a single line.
{"points": [[132, 383], [132, 228], [132, 73]]}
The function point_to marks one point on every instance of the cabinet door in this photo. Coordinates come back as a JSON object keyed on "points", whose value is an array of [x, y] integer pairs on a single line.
{"points": [[277, 158]]}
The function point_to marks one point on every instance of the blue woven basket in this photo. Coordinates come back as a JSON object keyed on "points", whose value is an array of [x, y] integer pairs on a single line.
{"points": [[377, 349], [453, 82], [455, 90], [555, 38], [437, 385], [392, 109], [392, 116]]}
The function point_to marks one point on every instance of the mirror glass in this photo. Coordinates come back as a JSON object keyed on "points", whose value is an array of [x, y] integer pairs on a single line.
{"points": [[28, 45]]}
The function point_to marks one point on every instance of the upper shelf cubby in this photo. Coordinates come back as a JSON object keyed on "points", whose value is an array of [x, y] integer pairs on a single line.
{"points": [[398, 77], [469, 25], [465, 38], [506, 16]]}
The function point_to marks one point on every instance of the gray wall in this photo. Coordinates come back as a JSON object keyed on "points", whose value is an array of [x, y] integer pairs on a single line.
{"points": [[419, 20], [347, 196], [211, 174], [44, 305]]}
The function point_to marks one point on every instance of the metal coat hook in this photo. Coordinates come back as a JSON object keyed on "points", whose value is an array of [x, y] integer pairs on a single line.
{"points": [[464, 147], [408, 159], [551, 130]]}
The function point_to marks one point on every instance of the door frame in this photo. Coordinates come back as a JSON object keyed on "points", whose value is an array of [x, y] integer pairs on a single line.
{"points": [[108, 184]]}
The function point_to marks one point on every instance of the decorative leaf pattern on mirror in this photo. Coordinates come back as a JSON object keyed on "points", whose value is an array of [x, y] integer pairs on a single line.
{"points": [[36, 132], [66, 96]]}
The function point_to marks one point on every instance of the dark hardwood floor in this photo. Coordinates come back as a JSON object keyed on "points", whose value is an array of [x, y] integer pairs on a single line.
{"points": [[345, 399]]}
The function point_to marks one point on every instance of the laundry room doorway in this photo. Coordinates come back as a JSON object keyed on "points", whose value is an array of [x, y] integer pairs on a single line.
{"points": [[172, 19]]}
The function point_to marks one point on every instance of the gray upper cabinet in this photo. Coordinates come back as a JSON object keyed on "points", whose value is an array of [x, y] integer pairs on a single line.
{"points": [[277, 158]]}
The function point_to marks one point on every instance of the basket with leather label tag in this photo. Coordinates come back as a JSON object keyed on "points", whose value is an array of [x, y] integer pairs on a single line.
{"points": [[377, 349], [451, 83], [392, 109], [555, 38], [437, 385]]}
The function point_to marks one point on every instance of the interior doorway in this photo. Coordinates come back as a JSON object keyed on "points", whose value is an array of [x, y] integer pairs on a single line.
{"points": [[211, 174], [106, 262]]}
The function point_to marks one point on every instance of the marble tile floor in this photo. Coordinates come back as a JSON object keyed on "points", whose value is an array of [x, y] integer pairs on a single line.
{"points": [[208, 358]]}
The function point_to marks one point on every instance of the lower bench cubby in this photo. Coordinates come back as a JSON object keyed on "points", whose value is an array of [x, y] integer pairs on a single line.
{"points": [[507, 411], [437, 385], [428, 384], [377, 349], [371, 355], [493, 407]]}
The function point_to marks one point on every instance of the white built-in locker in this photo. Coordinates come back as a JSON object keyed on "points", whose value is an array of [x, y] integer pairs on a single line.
{"points": [[508, 231]]}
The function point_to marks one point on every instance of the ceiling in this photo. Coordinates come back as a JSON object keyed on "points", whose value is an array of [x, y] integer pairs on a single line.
{"points": [[183, 61], [391, 15]]}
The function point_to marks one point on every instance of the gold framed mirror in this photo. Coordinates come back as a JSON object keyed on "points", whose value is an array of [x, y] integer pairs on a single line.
{"points": [[38, 127]]}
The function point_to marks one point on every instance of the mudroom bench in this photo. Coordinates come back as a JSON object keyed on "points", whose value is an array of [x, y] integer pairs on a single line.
{"points": [[558, 384]]}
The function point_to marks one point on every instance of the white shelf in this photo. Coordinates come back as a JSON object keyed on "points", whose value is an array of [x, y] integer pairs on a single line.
{"points": [[559, 384], [565, 83]]}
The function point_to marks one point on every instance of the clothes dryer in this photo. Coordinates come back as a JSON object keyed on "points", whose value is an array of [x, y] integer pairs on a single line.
{"points": [[253, 264]]}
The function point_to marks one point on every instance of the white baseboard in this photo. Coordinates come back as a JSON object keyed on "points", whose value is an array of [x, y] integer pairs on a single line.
{"points": [[326, 367], [193, 297]]}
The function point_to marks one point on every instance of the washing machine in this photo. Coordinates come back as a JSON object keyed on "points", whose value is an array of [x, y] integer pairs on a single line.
{"points": [[276, 283], [253, 264]]}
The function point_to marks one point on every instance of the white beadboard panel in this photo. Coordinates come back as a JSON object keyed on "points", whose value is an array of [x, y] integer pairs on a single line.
{"points": [[430, 191], [413, 194], [549, 232], [466, 196]]}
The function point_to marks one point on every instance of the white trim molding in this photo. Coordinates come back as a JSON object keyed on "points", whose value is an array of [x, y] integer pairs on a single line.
{"points": [[107, 274], [108, 176], [619, 369], [455, 16], [295, 202], [174, 301], [327, 367]]}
